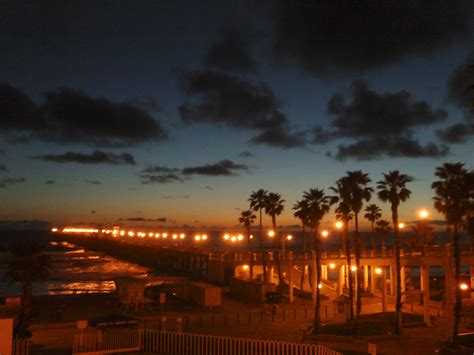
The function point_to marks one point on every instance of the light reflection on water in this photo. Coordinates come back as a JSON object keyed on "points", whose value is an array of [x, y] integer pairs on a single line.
{"points": [[76, 271]]}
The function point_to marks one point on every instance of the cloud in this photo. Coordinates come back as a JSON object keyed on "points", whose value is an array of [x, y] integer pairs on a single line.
{"points": [[231, 52], [459, 80], [141, 219], [3, 167], [380, 123], [49, 182], [92, 182], [221, 168], [169, 197], [160, 179], [153, 169], [96, 157], [209, 188], [246, 154], [327, 38], [227, 100], [456, 133], [10, 181], [72, 116]]}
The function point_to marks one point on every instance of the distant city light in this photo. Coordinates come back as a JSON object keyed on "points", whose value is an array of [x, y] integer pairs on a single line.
{"points": [[150, 234], [289, 237], [463, 286], [226, 236], [339, 224], [131, 234], [182, 236], [324, 233], [175, 236], [271, 234], [122, 233], [54, 230], [423, 213], [233, 238], [401, 225], [240, 237], [204, 237], [251, 236], [320, 286], [197, 237]]}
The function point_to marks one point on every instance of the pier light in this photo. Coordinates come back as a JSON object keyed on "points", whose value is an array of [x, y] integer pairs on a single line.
{"points": [[353, 268], [204, 237], [463, 286], [131, 234], [325, 233], [320, 285], [115, 232], [54, 230], [339, 224], [401, 225], [197, 238], [103, 230], [165, 235], [175, 236], [289, 237], [240, 237], [122, 233], [423, 214], [182, 236], [332, 265], [271, 234], [157, 235], [233, 239], [150, 234], [245, 267], [226, 236], [251, 236], [378, 271]]}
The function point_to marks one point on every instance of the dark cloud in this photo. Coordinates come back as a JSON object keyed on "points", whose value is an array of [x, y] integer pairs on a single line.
{"points": [[3, 167], [456, 133], [72, 116], [141, 219], [367, 149], [246, 154], [380, 124], [329, 37], [170, 197], [221, 168], [161, 219], [154, 169], [209, 188], [231, 52], [10, 181], [49, 182], [458, 83], [160, 179], [230, 101], [92, 182], [96, 157], [147, 103]]}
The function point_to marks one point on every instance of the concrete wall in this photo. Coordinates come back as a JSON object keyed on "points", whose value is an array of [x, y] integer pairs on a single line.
{"points": [[6, 336]]}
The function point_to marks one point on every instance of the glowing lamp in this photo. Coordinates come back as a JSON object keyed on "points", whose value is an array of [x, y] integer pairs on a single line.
{"points": [[339, 224], [324, 233], [204, 237], [332, 265], [423, 213], [401, 225], [353, 268], [245, 267], [271, 234], [463, 287], [226, 237], [378, 271], [181, 236], [240, 237], [54, 230]]}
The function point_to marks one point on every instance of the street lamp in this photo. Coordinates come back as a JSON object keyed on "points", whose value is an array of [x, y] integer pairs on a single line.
{"points": [[423, 214], [463, 286], [271, 234], [339, 224], [325, 233], [401, 225]]}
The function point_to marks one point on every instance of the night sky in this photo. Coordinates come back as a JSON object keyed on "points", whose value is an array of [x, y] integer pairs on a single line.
{"points": [[177, 110]]}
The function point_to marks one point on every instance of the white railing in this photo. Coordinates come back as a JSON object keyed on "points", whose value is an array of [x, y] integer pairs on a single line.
{"points": [[174, 343], [106, 341], [20, 346]]}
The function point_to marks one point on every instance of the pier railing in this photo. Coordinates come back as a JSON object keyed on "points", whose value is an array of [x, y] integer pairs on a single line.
{"points": [[177, 343], [20, 346]]}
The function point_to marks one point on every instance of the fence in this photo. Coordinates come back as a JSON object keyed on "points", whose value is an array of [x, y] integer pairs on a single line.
{"points": [[174, 343], [20, 346], [106, 341]]}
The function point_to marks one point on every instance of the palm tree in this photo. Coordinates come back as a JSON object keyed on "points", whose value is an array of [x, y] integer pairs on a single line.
{"points": [[274, 207], [453, 199], [373, 214], [358, 193], [247, 218], [343, 211], [318, 205], [29, 263], [257, 203], [302, 213], [393, 189], [383, 228]]}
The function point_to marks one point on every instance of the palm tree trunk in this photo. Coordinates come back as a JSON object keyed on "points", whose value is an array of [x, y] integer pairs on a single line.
{"points": [[348, 262], [457, 271], [304, 266], [250, 252], [262, 251], [358, 272], [372, 237], [317, 251], [277, 257], [396, 250]]}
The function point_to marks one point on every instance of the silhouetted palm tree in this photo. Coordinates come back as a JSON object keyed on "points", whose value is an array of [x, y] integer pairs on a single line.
{"points": [[453, 199], [247, 218], [274, 207], [357, 182], [257, 203], [393, 189], [318, 205], [302, 213], [373, 214], [29, 263], [383, 228], [343, 211]]}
